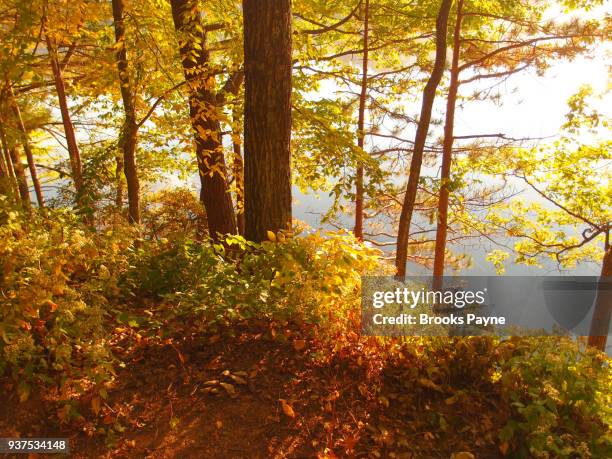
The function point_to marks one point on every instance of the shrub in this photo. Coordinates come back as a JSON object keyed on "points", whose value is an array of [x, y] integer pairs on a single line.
{"points": [[561, 398], [56, 282], [314, 277], [173, 214]]}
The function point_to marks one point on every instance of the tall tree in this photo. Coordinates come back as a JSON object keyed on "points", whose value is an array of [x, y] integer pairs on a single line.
{"points": [[523, 43], [27, 148], [267, 116], [205, 116], [71, 142], [429, 94], [447, 153], [129, 132], [360, 124]]}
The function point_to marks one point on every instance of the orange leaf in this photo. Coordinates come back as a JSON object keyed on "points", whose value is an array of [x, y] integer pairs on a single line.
{"points": [[95, 405], [287, 409]]}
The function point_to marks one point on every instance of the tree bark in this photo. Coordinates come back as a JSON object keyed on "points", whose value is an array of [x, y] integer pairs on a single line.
{"points": [[25, 141], [7, 175], [447, 154], [358, 231], [119, 180], [14, 162], [205, 116], [267, 117], [129, 134], [429, 94], [602, 313], [5, 184], [73, 148], [238, 172]]}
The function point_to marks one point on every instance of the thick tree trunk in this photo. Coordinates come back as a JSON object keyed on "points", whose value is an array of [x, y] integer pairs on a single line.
{"points": [[129, 134], [602, 314], [447, 155], [267, 117], [429, 94], [360, 125], [205, 116], [25, 142], [73, 148]]}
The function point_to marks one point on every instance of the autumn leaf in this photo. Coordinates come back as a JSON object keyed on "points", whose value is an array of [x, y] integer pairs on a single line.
{"points": [[95, 405], [462, 455], [287, 409], [231, 390]]}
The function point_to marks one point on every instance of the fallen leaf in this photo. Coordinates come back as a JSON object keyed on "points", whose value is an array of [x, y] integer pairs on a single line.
{"points": [[430, 384], [299, 344], [287, 409], [462, 455], [238, 379], [231, 390]]}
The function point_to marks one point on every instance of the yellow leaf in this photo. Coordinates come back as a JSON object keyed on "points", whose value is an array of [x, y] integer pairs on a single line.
{"points": [[271, 236], [287, 409]]}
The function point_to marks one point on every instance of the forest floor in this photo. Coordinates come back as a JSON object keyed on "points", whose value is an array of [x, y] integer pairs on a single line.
{"points": [[262, 390]]}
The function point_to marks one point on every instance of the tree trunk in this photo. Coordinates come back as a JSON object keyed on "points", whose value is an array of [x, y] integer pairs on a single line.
{"points": [[602, 314], [119, 180], [73, 148], [204, 115], [238, 172], [429, 94], [5, 187], [9, 179], [129, 134], [360, 125], [25, 141], [447, 155], [22, 180], [267, 117]]}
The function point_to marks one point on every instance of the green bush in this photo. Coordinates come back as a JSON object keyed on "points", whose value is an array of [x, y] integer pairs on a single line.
{"points": [[560, 396], [313, 278]]}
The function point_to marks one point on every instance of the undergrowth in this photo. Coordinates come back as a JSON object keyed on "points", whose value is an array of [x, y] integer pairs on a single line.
{"points": [[64, 288]]}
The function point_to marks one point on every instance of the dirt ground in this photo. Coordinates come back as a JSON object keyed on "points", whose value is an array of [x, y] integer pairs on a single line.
{"points": [[265, 392]]}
